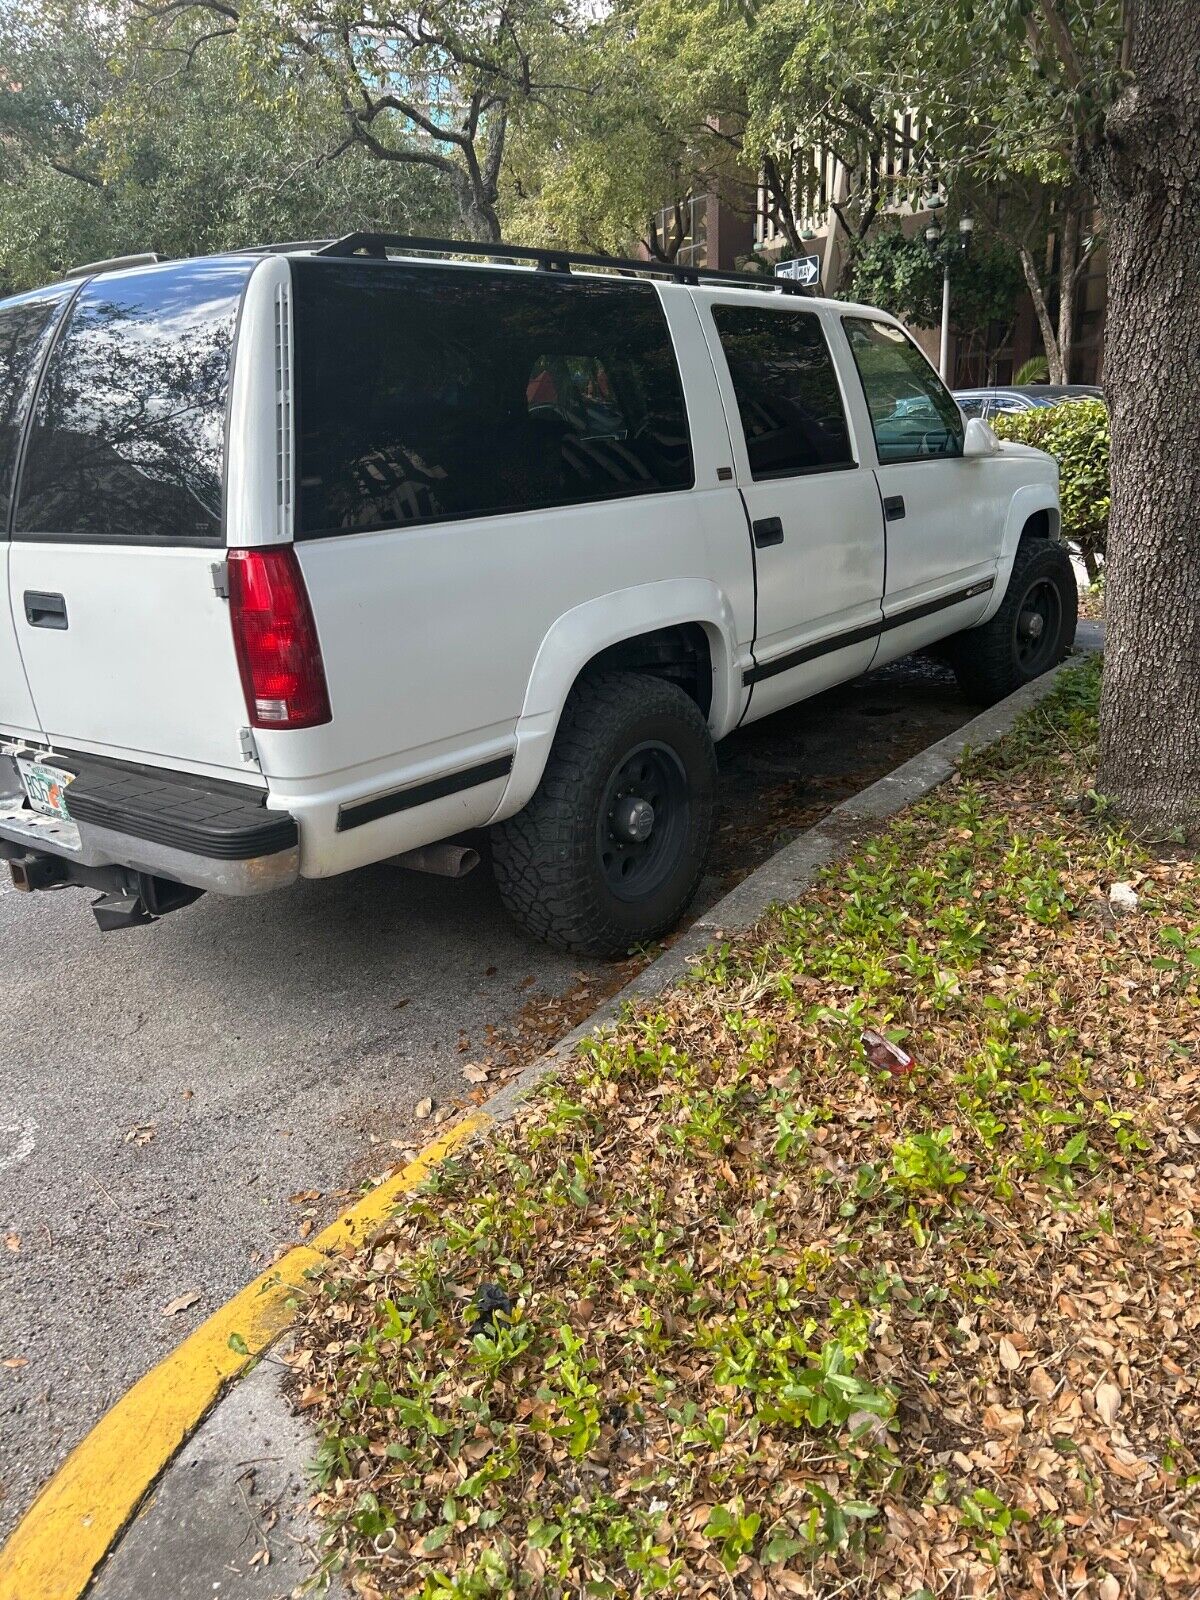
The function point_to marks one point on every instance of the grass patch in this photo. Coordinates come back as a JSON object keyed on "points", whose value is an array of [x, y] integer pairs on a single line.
{"points": [[732, 1309]]}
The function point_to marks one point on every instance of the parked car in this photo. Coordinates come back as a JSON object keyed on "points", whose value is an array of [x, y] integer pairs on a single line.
{"points": [[320, 556], [987, 403]]}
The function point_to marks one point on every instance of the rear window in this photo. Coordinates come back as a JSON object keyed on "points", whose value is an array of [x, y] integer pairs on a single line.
{"points": [[430, 393], [25, 329], [128, 436]]}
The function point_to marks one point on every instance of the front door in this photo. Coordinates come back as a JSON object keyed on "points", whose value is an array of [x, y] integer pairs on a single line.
{"points": [[943, 525], [814, 513]]}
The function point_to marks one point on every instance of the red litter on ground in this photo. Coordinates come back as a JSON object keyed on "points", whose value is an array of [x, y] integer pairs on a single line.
{"points": [[885, 1055]]}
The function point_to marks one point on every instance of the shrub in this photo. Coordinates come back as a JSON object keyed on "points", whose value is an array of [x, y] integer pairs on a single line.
{"points": [[1075, 432]]}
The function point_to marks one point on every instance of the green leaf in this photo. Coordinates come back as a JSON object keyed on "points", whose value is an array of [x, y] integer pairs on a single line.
{"points": [[781, 1547]]}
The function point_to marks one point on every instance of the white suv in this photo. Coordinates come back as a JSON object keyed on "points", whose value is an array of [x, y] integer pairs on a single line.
{"points": [[325, 555]]}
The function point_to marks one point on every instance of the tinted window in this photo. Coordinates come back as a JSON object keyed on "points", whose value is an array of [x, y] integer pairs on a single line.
{"points": [[25, 327], [434, 392], [912, 411], [128, 434], [787, 391]]}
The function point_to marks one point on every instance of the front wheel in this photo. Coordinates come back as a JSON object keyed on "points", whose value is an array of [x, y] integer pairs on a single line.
{"points": [[1032, 630], [612, 847]]}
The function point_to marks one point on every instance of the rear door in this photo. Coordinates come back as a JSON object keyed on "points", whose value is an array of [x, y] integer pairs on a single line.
{"points": [[119, 519], [26, 327], [815, 517]]}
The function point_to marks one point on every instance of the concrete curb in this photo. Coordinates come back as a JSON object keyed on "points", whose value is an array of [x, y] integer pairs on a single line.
{"points": [[62, 1541]]}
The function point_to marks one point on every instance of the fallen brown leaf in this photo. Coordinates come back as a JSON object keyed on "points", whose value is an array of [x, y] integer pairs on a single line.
{"points": [[181, 1302]]}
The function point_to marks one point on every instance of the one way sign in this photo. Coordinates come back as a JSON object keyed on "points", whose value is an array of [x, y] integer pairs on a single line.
{"points": [[806, 269]]}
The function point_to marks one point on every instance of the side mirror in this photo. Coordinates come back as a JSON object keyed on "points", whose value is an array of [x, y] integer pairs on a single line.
{"points": [[979, 439]]}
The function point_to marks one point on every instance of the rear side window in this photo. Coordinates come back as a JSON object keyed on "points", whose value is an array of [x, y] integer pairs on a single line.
{"points": [[913, 415], [128, 436], [25, 329], [429, 393], [787, 391]]}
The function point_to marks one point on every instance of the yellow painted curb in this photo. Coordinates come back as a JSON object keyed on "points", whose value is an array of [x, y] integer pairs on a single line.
{"points": [[63, 1537]]}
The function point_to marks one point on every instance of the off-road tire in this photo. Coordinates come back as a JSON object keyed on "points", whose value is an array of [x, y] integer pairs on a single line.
{"points": [[552, 861], [993, 660]]}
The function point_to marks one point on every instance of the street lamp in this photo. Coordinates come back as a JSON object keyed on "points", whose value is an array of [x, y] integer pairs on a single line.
{"points": [[933, 238]]}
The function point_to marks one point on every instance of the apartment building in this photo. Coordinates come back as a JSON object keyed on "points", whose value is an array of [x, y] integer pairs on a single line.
{"points": [[738, 224]]}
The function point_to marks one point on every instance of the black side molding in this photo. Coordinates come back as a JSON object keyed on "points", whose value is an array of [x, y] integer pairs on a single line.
{"points": [[915, 613], [870, 630], [420, 794], [810, 652]]}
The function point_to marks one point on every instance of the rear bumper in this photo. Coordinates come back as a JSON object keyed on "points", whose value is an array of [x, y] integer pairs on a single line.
{"points": [[209, 835]]}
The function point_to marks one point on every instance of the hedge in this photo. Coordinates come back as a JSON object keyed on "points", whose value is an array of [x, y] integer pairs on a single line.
{"points": [[1076, 433]]}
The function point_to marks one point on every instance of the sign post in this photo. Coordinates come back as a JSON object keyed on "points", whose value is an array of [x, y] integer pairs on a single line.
{"points": [[804, 269]]}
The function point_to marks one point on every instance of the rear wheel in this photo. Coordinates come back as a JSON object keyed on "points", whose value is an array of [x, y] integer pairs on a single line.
{"points": [[1032, 630], [611, 848]]}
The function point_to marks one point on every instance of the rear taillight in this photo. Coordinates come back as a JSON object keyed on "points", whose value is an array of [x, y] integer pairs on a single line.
{"points": [[278, 652]]}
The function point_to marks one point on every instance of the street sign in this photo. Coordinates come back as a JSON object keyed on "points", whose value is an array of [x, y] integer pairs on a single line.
{"points": [[806, 269]]}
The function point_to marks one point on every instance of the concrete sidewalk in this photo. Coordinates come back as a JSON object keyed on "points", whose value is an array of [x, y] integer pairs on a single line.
{"points": [[229, 1517]]}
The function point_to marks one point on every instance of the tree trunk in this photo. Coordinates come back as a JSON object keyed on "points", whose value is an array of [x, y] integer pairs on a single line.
{"points": [[1068, 281], [1146, 168], [1041, 310]]}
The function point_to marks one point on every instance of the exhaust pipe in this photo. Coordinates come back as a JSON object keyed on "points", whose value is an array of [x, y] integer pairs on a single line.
{"points": [[443, 860]]}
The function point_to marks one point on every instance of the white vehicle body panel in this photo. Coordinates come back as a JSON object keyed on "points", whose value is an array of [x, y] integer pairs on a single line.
{"points": [[826, 575], [17, 713], [144, 669]]}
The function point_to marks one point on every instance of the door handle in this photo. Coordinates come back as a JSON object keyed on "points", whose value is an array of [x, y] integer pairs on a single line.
{"points": [[768, 530], [45, 610], [893, 507]]}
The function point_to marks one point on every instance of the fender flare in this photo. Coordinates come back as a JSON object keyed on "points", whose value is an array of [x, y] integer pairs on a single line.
{"points": [[579, 635], [1025, 503]]}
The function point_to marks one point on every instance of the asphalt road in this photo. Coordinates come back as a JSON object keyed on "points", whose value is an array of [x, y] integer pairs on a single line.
{"points": [[179, 1101]]}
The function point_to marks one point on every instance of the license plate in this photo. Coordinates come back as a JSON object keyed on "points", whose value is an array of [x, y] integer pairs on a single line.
{"points": [[45, 787]]}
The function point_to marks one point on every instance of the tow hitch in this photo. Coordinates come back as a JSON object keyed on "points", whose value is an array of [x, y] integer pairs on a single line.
{"points": [[129, 899], [145, 900]]}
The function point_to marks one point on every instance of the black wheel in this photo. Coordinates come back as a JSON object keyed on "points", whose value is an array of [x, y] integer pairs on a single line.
{"points": [[1030, 633], [612, 847]]}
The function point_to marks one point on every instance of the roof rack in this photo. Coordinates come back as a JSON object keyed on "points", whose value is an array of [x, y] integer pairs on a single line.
{"points": [[377, 245], [279, 248], [93, 269]]}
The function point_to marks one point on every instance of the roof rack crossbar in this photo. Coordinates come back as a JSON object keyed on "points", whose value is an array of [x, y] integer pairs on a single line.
{"points": [[93, 269], [377, 246], [286, 247]]}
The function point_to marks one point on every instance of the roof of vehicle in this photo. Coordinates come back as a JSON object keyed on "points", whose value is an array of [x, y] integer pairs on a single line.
{"points": [[500, 256]]}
